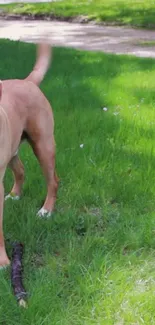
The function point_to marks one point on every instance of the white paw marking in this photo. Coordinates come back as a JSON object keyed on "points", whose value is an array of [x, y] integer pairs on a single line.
{"points": [[15, 154], [3, 267], [12, 197], [43, 213]]}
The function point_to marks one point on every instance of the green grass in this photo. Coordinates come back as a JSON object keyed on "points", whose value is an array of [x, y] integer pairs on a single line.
{"points": [[139, 13], [145, 43], [94, 261]]}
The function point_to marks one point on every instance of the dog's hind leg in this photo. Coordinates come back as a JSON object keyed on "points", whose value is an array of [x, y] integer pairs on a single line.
{"points": [[4, 261], [18, 172], [45, 152]]}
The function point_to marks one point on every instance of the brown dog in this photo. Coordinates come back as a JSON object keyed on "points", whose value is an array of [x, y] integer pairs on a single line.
{"points": [[25, 113]]}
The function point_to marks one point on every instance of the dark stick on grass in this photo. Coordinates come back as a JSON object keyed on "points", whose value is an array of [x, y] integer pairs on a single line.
{"points": [[16, 274]]}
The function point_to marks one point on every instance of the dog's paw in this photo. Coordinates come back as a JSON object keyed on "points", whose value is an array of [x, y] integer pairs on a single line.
{"points": [[43, 213], [3, 267], [12, 196], [4, 263]]}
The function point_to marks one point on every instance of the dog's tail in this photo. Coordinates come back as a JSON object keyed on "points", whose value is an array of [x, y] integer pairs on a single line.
{"points": [[42, 64]]}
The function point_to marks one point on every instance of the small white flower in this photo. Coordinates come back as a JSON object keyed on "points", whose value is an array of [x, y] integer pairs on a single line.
{"points": [[81, 145], [105, 109]]}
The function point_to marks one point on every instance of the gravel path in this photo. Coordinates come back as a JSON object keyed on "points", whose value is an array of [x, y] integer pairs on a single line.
{"points": [[119, 40]]}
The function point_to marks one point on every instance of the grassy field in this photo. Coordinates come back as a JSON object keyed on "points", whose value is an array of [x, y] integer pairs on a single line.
{"points": [[94, 261], [139, 13]]}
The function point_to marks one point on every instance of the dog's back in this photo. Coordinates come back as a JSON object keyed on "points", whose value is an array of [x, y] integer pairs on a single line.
{"points": [[24, 102]]}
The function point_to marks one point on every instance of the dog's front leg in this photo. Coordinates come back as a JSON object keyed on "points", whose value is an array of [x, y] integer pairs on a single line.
{"points": [[4, 261]]}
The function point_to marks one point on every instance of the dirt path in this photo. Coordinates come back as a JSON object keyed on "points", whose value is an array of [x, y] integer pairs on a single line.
{"points": [[119, 40]]}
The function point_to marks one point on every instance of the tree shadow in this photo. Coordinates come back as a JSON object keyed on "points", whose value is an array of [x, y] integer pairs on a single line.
{"points": [[71, 87]]}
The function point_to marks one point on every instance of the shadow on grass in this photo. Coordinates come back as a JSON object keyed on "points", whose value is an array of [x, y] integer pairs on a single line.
{"points": [[77, 84]]}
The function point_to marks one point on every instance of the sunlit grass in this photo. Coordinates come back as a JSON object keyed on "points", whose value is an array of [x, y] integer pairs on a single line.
{"points": [[127, 12]]}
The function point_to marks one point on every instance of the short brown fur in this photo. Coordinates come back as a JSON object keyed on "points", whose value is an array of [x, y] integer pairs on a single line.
{"points": [[25, 112]]}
